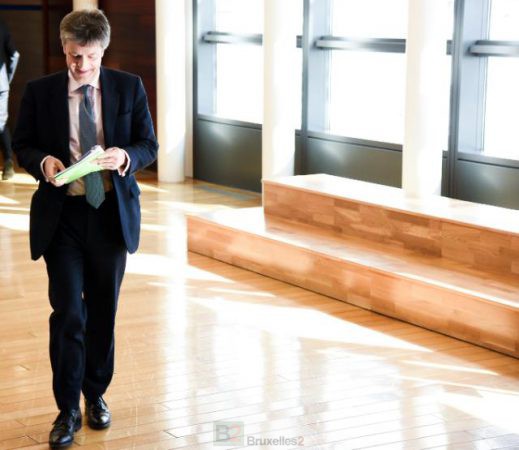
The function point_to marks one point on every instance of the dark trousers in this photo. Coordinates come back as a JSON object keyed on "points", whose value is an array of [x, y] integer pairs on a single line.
{"points": [[5, 144], [5, 136], [85, 265]]}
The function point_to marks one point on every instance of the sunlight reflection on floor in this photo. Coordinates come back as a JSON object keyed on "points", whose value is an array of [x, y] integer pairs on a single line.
{"points": [[498, 409], [303, 323], [15, 222], [457, 368], [21, 178], [8, 201]]}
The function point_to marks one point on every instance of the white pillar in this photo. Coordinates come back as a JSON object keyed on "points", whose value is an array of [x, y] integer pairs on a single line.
{"points": [[425, 50], [172, 92], [84, 4], [188, 165], [280, 72]]}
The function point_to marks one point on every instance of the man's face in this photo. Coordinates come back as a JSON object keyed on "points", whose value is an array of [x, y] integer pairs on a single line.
{"points": [[83, 61]]}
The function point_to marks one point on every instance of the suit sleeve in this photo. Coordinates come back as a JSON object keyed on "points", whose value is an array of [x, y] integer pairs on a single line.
{"points": [[143, 148], [24, 139]]}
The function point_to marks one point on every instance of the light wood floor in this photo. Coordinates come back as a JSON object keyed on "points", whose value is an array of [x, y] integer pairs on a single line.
{"points": [[199, 341]]}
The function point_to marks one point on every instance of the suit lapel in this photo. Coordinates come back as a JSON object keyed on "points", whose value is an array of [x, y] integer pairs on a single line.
{"points": [[60, 117], [110, 105]]}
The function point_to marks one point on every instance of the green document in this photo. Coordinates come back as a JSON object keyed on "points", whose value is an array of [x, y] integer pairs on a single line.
{"points": [[83, 167]]}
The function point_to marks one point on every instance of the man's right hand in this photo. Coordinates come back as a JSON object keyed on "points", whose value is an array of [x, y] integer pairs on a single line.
{"points": [[51, 166]]}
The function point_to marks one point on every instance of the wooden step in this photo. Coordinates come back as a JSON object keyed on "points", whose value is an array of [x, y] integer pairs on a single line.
{"points": [[485, 237], [437, 293]]}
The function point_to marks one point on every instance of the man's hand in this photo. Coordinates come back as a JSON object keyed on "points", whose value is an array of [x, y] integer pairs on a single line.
{"points": [[51, 167], [113, 158]]}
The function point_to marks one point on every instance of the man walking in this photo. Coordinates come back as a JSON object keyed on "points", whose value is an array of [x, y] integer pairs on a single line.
{"points": [[85, 229]]}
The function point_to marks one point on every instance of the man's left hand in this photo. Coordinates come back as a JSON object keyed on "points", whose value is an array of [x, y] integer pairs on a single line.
{"points": [[113, 158]]}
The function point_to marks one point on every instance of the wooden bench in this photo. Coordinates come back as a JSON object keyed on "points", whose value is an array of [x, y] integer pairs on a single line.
{"points": [[444, 264]]}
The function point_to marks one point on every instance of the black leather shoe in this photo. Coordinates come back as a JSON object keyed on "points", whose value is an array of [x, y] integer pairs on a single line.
{"points": [[98, 414], [64, 427]]}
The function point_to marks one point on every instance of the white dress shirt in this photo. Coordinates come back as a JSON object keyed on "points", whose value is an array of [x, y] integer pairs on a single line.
{"points": [[74, 101]]}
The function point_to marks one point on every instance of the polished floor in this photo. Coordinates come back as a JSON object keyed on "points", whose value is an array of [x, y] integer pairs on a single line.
{"points": [[207, 351]]}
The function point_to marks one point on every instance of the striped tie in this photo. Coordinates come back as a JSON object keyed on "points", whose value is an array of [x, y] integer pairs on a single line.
{"points": [[94, 189]]}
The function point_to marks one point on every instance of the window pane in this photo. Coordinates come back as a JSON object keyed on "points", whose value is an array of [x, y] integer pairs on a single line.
{"points": [[239, 68], [365, 101], [378, 18], [502, 108], [502, 95], [370, 18], [504, 20], [299, 88], [367, 96], [239, 82], [367, 89], [246, 16], [239, 16]]}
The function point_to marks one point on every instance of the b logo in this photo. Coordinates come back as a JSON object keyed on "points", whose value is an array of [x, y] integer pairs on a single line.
{"points": [[228, 433]]}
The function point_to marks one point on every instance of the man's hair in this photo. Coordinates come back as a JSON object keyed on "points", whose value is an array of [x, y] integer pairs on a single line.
{"points": [[85, 27]]}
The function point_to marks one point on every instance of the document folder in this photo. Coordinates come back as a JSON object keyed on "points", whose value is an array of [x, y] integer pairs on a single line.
{"points": [[83, 167]]}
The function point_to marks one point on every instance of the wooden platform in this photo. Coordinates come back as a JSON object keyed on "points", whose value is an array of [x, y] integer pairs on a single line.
{"points": [[447, 265]]}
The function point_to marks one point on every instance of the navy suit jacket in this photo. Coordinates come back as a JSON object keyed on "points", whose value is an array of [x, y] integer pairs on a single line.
{"points": [[43, 129]]}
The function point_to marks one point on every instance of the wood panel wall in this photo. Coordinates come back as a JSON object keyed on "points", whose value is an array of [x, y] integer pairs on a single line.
{"points": [[34, 26], [133, 42], [26, 27], [55, 11]]}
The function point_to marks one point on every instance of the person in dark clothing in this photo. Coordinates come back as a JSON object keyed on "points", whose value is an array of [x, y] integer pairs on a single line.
{"points": [[84, 229], [8, 61]]}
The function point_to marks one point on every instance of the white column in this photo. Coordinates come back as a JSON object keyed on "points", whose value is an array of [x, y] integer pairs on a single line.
{"points": [[188, 164], [280, 72], [84, 4], [425, 50], [172, 91]]}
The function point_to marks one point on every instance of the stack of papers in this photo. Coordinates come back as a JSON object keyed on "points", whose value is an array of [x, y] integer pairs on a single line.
{"points": [[83, 167]]}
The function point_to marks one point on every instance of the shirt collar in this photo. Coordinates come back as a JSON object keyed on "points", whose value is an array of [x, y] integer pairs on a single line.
{"points": [[73, 85]]}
